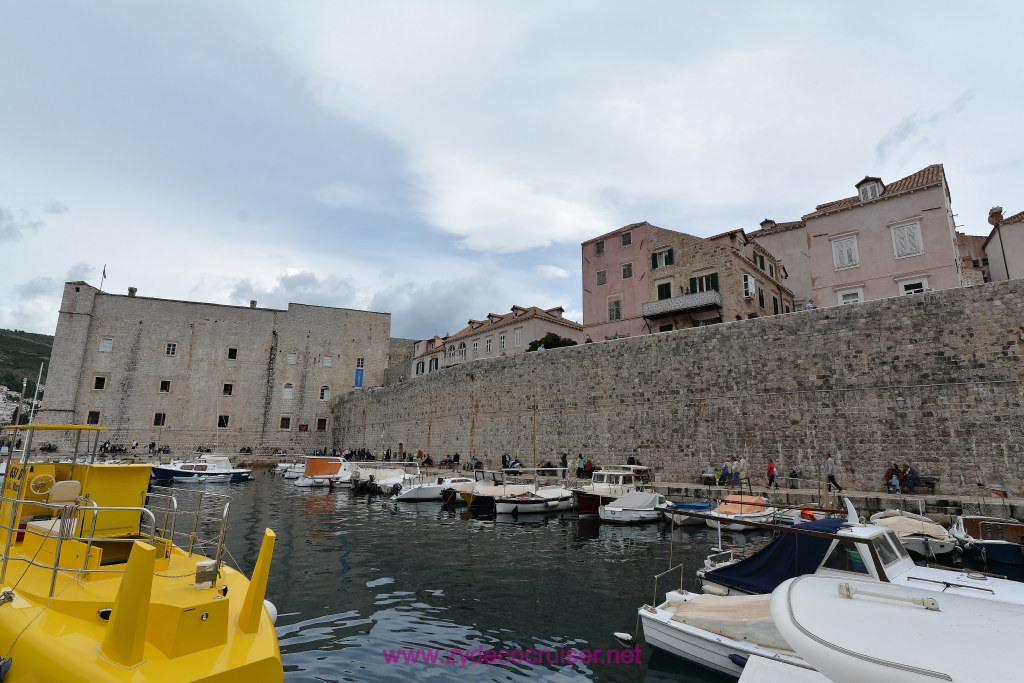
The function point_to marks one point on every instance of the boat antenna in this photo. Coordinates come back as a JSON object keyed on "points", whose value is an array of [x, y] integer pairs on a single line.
{"points": [[535, 440]]}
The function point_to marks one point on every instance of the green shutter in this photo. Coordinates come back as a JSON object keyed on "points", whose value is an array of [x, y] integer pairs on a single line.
{"points": [[693, 285], [714, 281], [654, 261], [668, 258]]}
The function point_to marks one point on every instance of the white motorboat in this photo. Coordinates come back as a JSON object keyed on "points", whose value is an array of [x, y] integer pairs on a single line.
{"points": [[846, 549], [534, 500], [679, 513], [637, 507], [917, 533], [490, 484], [294, 470], [996, 539], [609, 483], [762, 670], [377, 477], [717, 633], [431, 490], [734, 510], [209, 467], [325, 470], [852, 631]]}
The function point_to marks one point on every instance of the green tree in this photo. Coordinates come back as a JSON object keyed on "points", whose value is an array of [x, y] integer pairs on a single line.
{"points": [[550, 341]]}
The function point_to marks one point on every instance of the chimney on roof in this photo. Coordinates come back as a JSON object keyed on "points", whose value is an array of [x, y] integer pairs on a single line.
{"points": [[132, 291], [995, 215], [767, 223], [252, 303]]}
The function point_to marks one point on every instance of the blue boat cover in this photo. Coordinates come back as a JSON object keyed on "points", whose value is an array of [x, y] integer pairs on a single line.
{"points": [[788, 556]]}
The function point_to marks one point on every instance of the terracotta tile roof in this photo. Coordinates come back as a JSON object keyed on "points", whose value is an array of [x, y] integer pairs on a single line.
{"points": [[624, 228], [1015, 218], [527, 313], [725, 234], [924, 178], [777, 228]]}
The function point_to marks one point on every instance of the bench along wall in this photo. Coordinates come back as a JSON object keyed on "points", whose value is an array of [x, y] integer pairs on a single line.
{"points": [[792, 388]]}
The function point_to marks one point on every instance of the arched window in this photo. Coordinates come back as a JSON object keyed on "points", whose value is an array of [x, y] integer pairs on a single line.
{"points": [[462, 351], [288, 390], [451, 352], [325, 393]]}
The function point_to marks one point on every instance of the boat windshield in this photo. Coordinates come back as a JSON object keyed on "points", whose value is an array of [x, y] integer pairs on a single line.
{"points": [[885, 551], [846, 557], [894, 541]]}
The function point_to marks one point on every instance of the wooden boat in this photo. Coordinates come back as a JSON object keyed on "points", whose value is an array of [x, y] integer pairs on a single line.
{"points": [[996, 539], [679, 513], [917, 533], [736, 509], [637, 507], [325, 470], [852, 631], [534, 500], [609, 483], [97, 587]]}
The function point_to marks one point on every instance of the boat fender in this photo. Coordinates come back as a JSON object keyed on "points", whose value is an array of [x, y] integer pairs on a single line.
{"points": [[738, 660], [5, 666], [271, 612], [713, 589]]}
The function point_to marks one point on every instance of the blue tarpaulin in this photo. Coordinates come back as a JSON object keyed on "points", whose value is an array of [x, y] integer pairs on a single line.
{"points": [[788, 556]]}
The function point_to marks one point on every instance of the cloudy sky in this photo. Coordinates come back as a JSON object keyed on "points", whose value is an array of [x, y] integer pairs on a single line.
{"points": [[442, 160]]}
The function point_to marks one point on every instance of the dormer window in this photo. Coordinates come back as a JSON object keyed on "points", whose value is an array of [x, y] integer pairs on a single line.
{"points": [[869, 188]]}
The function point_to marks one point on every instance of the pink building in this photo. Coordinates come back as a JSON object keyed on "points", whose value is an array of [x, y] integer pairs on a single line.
{"points": [[1004, 246], [888, 240], [615, 287]]}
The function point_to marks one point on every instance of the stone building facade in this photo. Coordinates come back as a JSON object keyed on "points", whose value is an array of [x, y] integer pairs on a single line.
{"points": [[935, 380], [501, 334], [614, 268], [1004, 246], [185, 373], [708, 281]]}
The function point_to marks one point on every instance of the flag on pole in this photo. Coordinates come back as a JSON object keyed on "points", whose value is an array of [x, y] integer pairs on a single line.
{"points": [[104, 271]]}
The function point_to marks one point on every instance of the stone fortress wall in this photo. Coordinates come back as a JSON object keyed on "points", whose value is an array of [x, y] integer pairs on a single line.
{"points": [[792, 387], [260, 352]]}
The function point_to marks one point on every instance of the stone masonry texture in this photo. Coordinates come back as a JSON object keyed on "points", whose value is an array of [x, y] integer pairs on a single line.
{"points": [[793, 387]]}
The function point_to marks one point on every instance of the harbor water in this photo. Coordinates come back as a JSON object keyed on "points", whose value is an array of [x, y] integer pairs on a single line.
{"points": [[355, 575]]}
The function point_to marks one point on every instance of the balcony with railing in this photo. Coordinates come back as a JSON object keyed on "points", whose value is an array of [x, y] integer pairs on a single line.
{"points": [[688, 302]]}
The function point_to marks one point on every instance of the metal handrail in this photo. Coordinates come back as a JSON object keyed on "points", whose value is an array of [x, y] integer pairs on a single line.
{"points": [[654, 599]]}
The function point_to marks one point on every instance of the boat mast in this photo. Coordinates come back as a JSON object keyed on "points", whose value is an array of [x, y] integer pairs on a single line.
{"points": [[535, 440]]}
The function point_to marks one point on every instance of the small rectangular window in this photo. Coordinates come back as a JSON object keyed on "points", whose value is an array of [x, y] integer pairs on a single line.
{"points": [[787, 308], [760, 297], [165, 386], [170, 349], [664, 291], [222, 421], [327, 361], [602, 277], [615, 310], [627, 239], [228, 388], [93, 418], [99, 383], [286, 423], [759, 260], [288, 391], [232, 353], [519, 338], [293, 358], [749, 286], [906, 239], [664, 328], [476, 349], [771, 270], [487, 345], [501, 342], [844, 252], [775, 304], [661, 259], [359, 362], [321, 424], [599, 247], [627, 271], [325, 393], [106, 344], [160, 420]]}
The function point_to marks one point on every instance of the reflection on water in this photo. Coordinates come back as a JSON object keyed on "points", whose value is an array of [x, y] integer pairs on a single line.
{"points": [[355, 575]]}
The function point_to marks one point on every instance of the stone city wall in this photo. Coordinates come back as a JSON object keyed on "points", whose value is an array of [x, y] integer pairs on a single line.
{"points": [[792, 387]]}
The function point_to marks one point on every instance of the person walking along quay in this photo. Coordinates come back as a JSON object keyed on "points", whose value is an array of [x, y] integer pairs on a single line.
{"points": [[830, 473]]}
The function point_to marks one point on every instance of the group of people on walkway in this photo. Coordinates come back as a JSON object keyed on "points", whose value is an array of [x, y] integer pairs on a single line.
{"points": [[897, 479]]}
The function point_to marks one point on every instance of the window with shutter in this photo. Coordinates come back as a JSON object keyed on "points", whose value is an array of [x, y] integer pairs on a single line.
{"points": [[844, 252], [664, 291], [602, 277], [614, 311], [906, 239]]}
